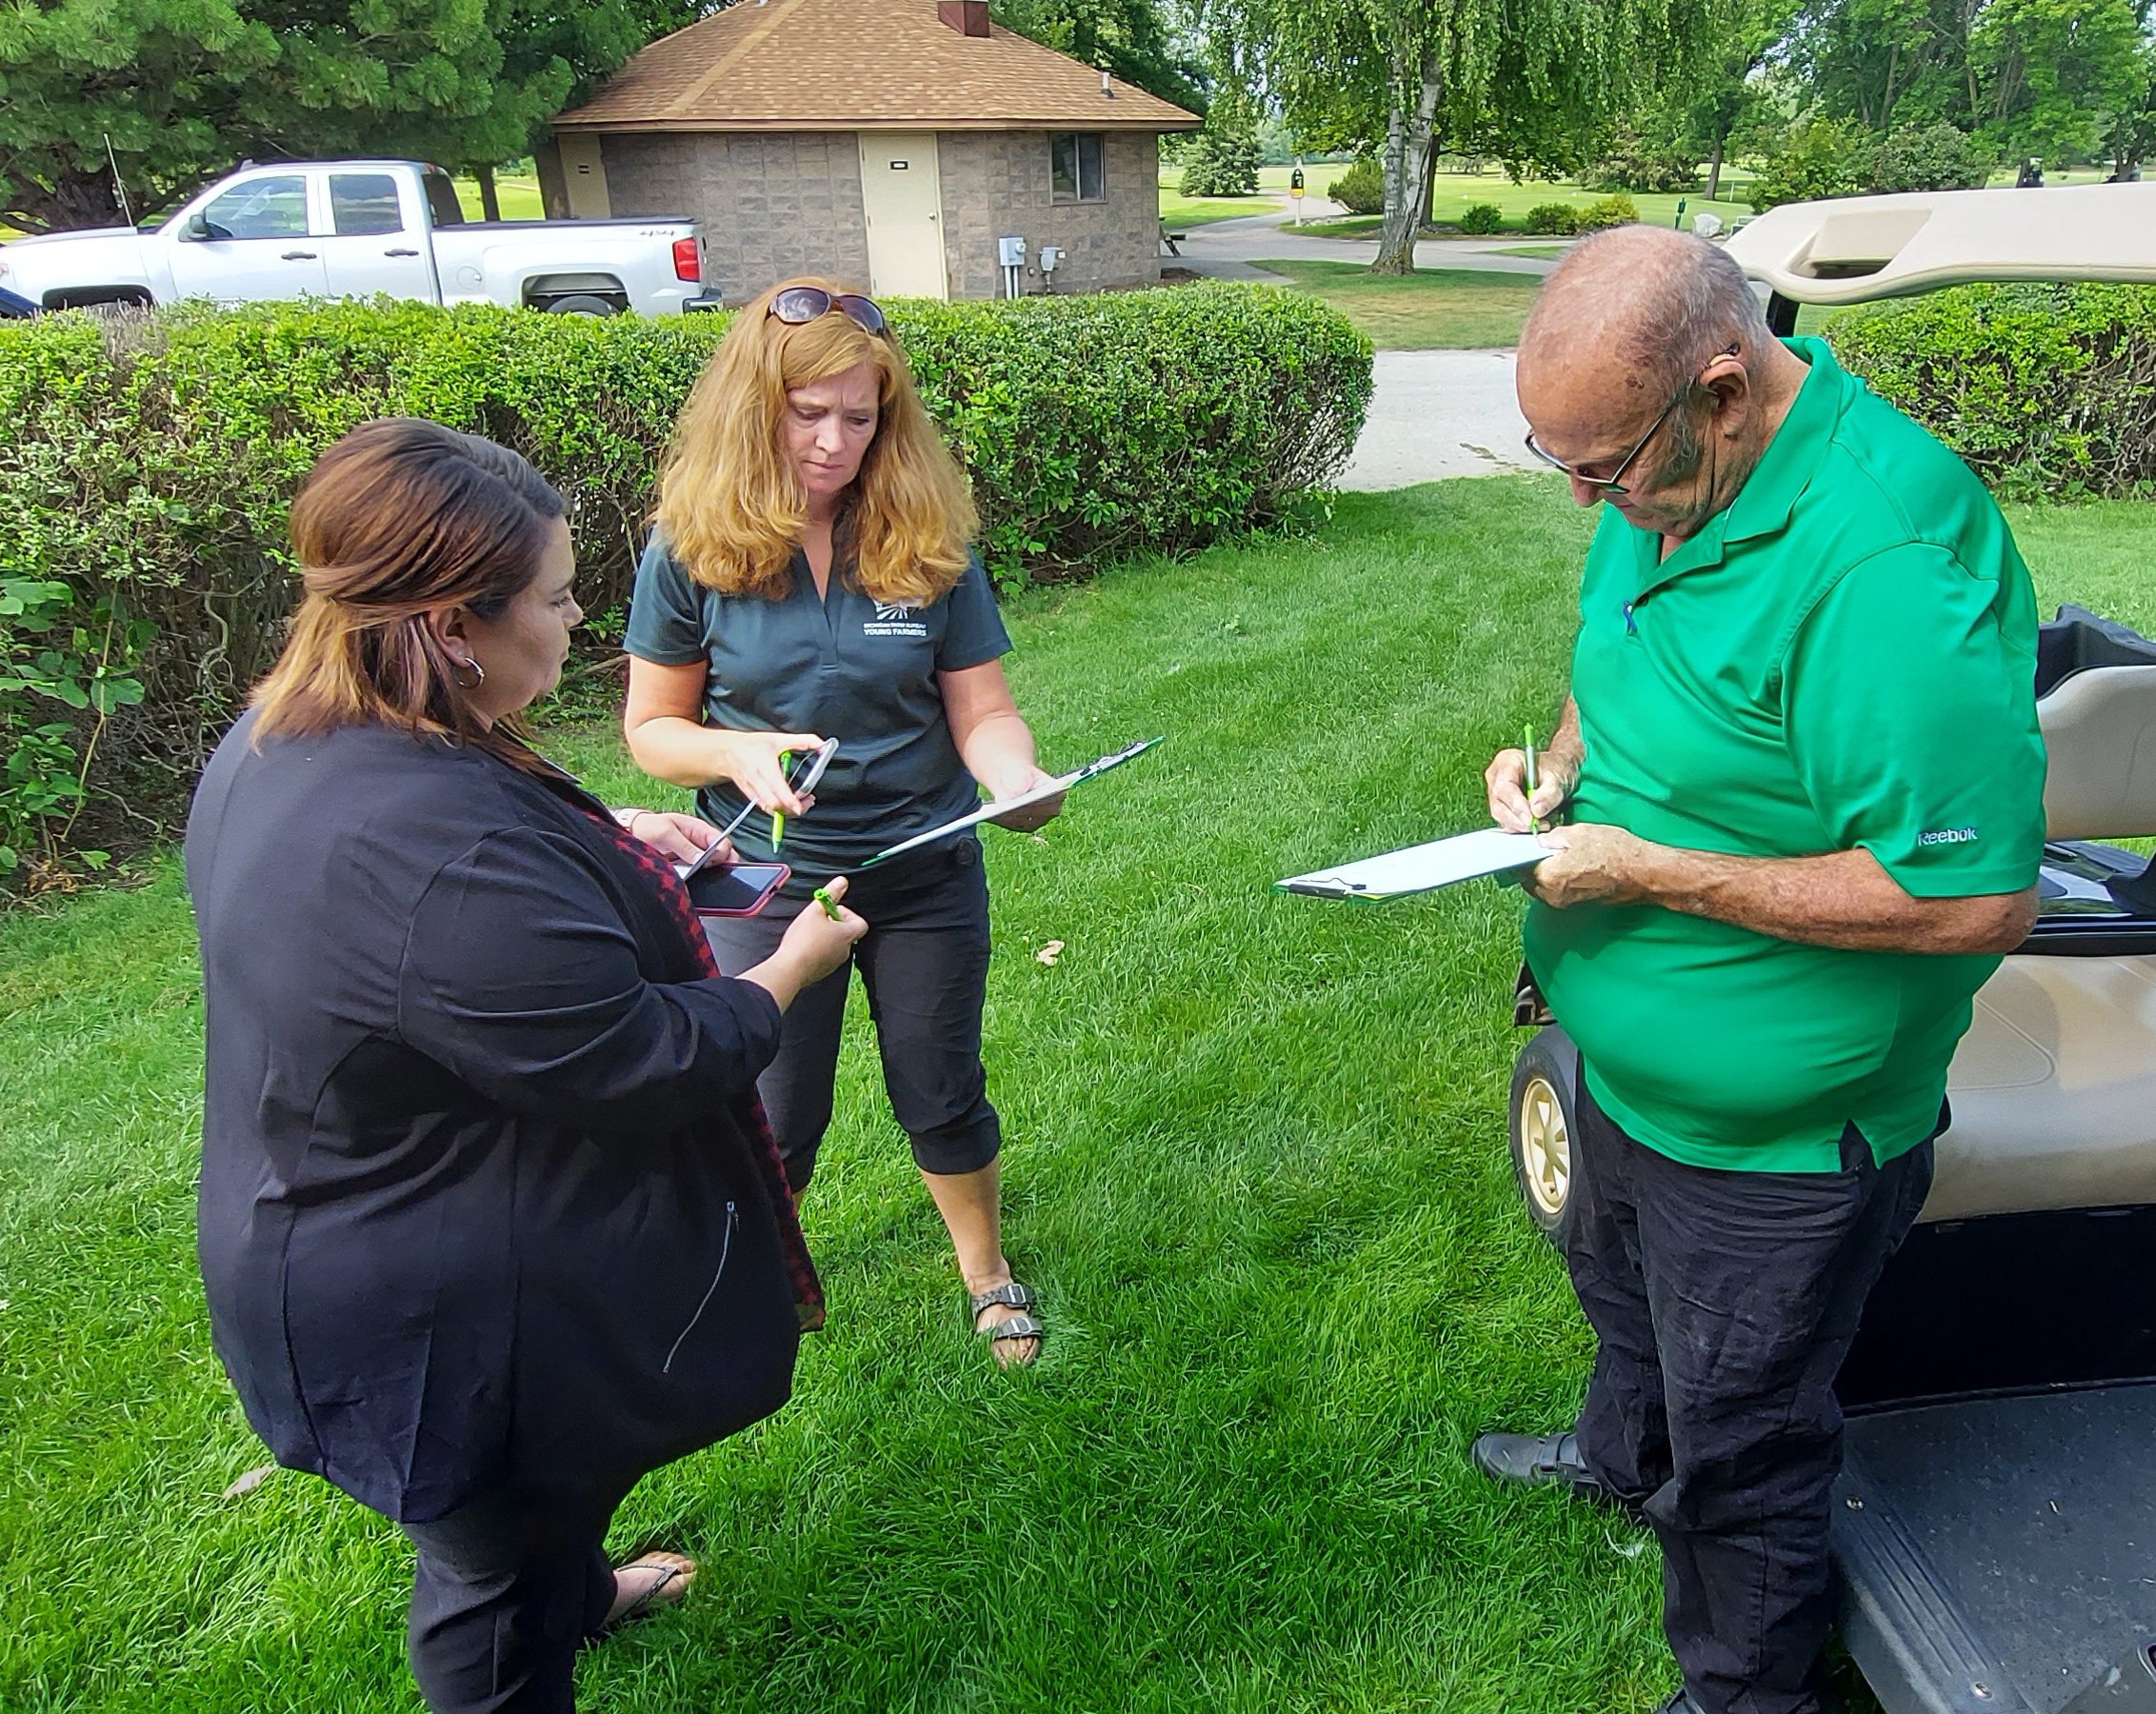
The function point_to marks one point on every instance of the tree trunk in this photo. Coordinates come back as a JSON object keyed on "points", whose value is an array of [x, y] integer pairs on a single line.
{"points": [[1410, 140], [1714, 172], [489, 204]]}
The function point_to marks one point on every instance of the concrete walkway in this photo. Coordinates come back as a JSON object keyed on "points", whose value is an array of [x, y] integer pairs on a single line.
{"points": [[1439, 413], [1432, 413]]}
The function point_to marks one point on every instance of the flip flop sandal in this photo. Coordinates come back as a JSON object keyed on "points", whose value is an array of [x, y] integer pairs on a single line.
{"points": [[1010, 1296], [677, 1572]]}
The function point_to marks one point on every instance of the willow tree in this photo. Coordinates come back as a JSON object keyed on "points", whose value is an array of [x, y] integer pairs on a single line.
{"points": [[1535, 83]]}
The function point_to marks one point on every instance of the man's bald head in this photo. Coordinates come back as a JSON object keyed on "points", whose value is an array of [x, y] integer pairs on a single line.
{"points": [[1640, 309]]}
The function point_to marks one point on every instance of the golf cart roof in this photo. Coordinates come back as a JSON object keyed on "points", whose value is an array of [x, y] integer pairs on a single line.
{"points": [[1852, 249]]}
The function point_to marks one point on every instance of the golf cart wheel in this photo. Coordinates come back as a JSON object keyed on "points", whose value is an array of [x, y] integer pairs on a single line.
{"points": [[1545, 1082]]}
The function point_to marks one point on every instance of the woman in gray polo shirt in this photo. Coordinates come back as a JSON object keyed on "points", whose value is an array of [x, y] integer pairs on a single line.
{"points": [[810, 576]]}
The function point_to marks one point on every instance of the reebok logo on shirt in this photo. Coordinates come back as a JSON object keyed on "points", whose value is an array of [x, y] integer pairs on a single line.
{"points": [[895, 619], [1940, 836]]}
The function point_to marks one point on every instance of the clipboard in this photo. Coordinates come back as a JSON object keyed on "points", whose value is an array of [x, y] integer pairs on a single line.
{"points": [[1056, 788], [1422, 868]]}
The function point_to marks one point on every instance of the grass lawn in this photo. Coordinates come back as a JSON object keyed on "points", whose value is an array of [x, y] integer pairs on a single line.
{"points": [[1178, 213], [1538, 252], [1256, 1165], [1434, 308]]}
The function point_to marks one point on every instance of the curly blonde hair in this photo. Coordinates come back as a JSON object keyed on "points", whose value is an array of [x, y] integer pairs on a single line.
{"points": [[731, 506]]}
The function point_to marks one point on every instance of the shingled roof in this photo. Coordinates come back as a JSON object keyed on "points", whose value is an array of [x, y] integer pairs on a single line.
{"points": [[852, 65]]}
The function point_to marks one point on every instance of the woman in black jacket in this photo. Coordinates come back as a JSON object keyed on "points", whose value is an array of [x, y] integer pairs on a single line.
{"points": [[490, 1219]]}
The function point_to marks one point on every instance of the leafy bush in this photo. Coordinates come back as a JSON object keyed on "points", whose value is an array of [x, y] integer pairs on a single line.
{"points": [[2045, 390], [1482, 218], [1361, 189], [1609, 212], [1560, 218], [1927, 157], [147, 464], [1818, 157]]}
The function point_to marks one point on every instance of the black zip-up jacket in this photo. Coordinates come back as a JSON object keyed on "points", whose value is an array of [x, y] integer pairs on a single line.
{"points": [[478, 1202]]}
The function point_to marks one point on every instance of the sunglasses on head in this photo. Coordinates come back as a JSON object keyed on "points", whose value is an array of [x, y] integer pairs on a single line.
{"points": [[799, 304]]}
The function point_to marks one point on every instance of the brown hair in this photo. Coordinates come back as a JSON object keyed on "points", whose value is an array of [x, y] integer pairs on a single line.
{"points": [[731, 506], [400, 518]]}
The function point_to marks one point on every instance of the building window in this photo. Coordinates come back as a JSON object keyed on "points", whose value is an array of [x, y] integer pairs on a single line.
{"points": [[1077, 170]]}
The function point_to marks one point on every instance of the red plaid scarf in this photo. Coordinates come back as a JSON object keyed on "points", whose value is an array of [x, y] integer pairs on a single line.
{"points": [[808, 1289]]}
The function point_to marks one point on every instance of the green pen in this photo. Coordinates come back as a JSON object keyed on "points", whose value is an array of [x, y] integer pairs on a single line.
{"points": [[778, 819], [823, 896], [1534, 821]]}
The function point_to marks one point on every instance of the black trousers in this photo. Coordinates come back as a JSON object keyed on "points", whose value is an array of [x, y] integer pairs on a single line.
{"points": [[1724, 1304], [925, 962], [505, 1591]]}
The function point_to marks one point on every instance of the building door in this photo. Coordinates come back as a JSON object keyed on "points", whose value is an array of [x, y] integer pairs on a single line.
{"points": [[902, 198]]}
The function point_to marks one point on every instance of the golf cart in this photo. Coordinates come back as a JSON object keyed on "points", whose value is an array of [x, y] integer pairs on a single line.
{"points": [[1995, 1525]]}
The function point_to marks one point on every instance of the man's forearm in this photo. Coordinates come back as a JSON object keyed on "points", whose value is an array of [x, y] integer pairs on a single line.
{"points": [[1843, 899]]}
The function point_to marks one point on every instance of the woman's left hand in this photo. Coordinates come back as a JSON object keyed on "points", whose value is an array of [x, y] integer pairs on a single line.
{"points": [[1016, 782], [682, 837]]}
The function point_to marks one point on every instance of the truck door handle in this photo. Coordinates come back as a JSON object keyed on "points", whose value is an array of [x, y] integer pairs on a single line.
{"points": [[400, 252], [299, 255]]}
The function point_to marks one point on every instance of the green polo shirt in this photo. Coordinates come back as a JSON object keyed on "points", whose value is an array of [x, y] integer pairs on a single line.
{"points": [[1843, 657]]}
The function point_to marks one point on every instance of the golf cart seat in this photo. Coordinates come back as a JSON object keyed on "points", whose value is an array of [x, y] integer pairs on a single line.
{"points": [[2096, 700]]}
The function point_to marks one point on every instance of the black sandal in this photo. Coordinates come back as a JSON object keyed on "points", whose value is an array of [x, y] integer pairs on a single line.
{"points": [[1009, 1295]]}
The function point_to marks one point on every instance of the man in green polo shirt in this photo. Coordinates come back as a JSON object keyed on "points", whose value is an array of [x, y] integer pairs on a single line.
{"points": [[1801, 784]]}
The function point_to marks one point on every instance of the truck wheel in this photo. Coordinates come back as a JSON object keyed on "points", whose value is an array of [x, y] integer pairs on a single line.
{"points": [[1545, 1088], [580, 303]]}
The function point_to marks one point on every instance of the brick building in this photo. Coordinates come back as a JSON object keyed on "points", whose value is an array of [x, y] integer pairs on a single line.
{"points": [[891, 144]]}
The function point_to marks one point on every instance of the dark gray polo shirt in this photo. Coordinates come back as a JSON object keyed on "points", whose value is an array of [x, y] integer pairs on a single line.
{"points": [[845, 668]]}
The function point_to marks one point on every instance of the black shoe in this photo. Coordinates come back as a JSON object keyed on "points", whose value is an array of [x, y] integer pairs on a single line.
{"points": [[1539, 1461], [1680, 1703]]}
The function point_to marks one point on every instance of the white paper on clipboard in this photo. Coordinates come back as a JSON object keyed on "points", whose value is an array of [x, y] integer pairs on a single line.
{"points": [[1423, 868], [1056, 788]]}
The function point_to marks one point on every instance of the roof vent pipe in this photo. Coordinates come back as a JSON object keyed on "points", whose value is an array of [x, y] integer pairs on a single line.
{"points": [[1106, 89], [968, 17]]}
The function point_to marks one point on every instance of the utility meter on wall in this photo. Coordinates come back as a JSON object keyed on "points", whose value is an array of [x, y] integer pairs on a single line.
{"points": [[1010, 252]]}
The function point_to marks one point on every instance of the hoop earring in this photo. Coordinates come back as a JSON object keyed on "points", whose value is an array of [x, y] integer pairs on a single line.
{"points": [[478, 672]]}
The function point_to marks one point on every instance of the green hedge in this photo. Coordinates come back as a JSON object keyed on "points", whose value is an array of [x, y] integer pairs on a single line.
{"points": [[2047, 392], [145, 466]]}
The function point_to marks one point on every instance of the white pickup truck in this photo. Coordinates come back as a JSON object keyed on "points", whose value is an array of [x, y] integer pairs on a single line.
{"points": [[354, 229]]}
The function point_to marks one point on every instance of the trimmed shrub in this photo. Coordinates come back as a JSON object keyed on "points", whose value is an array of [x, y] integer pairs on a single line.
{"points": [[1607, 211], [2047, 392], [1927, 157], [1359, 190], [1561, 219], [147, 464], [1482, 218]]}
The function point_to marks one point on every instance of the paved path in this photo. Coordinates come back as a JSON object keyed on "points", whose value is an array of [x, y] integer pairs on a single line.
{"points": [[1439, 413], [1432, 413]]}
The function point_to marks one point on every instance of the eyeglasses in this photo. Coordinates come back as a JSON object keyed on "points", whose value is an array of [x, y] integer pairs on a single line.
{"points": [[798, 305], [1612, 483]]}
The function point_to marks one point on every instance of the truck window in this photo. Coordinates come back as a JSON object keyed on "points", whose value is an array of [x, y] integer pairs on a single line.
{"points": [[263, 208], [442, 198], [361, 202]]}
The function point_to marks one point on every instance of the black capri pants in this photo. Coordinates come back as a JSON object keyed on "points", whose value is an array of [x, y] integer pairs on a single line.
{"points": [[924, 963]]}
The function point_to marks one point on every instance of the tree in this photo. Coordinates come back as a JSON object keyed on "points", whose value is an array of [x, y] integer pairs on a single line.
{"points": [[1816, 157], [1223, 158], [1127, 37], [2054, 74], [184, 87], [1533, 82], [1729, 93]]}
